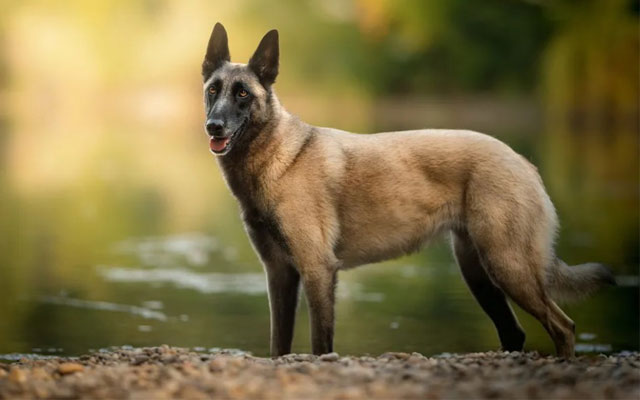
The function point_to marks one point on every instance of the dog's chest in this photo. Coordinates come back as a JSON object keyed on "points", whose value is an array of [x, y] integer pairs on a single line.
{"points": [[264, 230], [258, 217]]}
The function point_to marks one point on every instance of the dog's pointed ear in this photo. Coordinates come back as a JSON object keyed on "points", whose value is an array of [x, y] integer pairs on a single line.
{"points": [[264, 61], [217, 51]]}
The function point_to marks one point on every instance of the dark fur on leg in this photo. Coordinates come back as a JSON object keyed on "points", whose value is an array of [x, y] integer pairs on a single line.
{"points": [[283, 300], [492, 300]]}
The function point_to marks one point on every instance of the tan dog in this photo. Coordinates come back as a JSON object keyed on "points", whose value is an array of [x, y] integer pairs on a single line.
{"points": [[318, 200]]}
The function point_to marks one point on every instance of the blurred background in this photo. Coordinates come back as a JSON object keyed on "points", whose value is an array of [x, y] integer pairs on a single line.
{"points": [[116, 227]]}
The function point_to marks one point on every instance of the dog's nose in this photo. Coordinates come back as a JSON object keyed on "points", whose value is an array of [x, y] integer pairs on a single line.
{"points": [[214, 127]]}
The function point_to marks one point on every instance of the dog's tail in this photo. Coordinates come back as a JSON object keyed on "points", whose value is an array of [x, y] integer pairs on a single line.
{"points": [[571, 283]]}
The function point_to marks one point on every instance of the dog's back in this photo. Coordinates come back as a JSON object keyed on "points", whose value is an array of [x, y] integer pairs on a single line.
{"points": [[401, 188]]}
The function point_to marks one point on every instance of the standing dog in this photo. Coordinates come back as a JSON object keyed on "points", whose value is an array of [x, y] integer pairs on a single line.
{"points": [[318, 200]]}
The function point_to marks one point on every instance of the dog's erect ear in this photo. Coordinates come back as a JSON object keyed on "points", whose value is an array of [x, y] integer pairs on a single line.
{"points": [[217, 51], [264, 62]]}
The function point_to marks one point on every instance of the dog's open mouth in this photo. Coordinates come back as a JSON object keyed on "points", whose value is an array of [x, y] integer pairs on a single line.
{"points": [[219, 145]]}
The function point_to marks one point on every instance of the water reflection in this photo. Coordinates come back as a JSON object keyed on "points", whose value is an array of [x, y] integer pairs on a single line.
{"points": [[143, 312], [249, 283], [192, 248]]}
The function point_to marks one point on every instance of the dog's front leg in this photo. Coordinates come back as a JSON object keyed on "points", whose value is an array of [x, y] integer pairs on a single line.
{"points": [[310, 239], [319, 286], [284, 281]]}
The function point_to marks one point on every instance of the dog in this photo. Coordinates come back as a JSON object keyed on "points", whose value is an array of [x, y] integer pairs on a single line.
{"points": [[315, 201]]}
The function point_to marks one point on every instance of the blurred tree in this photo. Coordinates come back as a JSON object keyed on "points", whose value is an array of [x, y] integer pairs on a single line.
{"points": [[591, 94], [414, 46], [450, 46], [590, 69]]}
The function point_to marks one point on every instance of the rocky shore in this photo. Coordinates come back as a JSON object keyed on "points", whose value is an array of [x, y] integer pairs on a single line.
{"points": [[169, 372]]}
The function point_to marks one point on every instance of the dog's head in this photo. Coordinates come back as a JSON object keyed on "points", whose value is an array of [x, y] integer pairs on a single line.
{"points": [[237, 96]]}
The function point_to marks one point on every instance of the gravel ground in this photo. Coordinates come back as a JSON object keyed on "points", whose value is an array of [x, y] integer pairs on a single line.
{"points": [[169, 372]]}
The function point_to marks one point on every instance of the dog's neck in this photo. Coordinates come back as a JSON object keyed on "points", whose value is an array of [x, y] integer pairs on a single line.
{"points": [[271, 149]]}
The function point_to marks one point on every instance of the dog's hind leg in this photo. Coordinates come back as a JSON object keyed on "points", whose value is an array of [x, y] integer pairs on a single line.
{"points": [[520, 277], [492, 300]]}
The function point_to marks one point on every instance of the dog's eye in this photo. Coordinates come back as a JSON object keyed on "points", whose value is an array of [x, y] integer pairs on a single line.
{"points": [[212, 90], [243, 93]]}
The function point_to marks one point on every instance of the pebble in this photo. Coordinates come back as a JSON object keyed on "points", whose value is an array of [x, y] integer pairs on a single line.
{"points": [[399, 356], [331, 357], [70, 368], [17, 375], [140, 360]]}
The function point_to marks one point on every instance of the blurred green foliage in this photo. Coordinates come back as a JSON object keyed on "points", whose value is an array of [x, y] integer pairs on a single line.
{"points": [[449, 46], [414, 46]]}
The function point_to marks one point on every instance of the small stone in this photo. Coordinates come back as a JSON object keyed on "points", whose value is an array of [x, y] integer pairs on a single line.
{"points": [[217, 365], [17, 375], [395, 355], [168, 358], [139, 360], [305, 357], [41, 392], [331, 357], [306, 368], [40, 373], [69, 368]]}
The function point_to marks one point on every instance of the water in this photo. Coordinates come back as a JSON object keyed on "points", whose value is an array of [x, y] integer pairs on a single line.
{"points": [[399, 306]]}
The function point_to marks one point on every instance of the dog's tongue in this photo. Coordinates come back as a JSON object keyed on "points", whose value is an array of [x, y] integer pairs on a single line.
{"points": [[218, 144]]}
